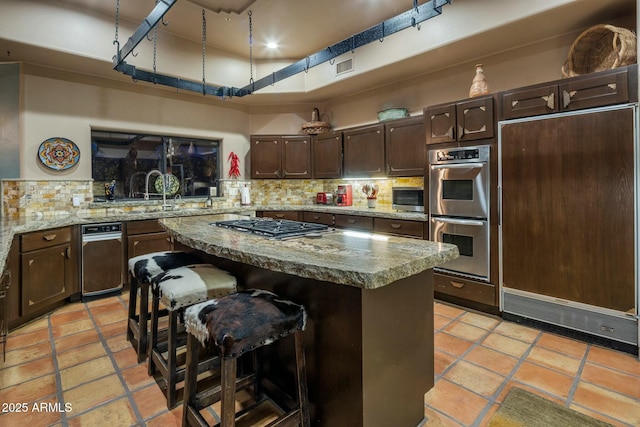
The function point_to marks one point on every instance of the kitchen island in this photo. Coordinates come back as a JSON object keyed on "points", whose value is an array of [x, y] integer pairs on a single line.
{"points": [[369, 300]]}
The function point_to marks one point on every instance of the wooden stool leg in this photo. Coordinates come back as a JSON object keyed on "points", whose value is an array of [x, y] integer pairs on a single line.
{"points": [[153, 335], [190, 379], [228, 393], [301, 375], [143, 322], [172, 346], [133, 298]]}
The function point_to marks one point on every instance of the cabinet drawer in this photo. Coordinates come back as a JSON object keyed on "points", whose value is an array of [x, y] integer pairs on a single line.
{"points": [[318, 217], [595, 91], [354, 221], [530, 102], [45, 239], [290, 215], [484, 293], [143, 227], [399, 227]]}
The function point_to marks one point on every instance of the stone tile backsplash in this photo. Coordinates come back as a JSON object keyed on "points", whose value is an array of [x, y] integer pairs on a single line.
{"points": [[27, 198]]}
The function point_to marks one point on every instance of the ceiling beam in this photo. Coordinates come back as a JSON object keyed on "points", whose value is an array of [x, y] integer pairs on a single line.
{"points": [[411, 18]]}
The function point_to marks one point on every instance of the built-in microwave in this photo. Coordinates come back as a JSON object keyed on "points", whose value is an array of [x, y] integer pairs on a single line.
{"points": [[407, 199]]}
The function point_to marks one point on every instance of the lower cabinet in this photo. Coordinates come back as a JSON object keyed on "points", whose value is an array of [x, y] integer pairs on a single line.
{"points": [[318, 218], [469, 290], [49, 268], [146, 236], [399, 227], [290, 215]]}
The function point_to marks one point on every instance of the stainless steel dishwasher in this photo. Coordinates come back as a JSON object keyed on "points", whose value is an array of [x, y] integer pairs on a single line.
{"points": [[102, 259]]}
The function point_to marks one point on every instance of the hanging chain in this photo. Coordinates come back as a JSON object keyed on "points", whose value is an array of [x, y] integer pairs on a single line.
{"points": [[204, 44], [115, 41], [250, 49]]}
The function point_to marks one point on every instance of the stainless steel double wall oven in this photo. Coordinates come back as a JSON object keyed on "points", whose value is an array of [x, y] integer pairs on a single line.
{"points": [[459, 206]]}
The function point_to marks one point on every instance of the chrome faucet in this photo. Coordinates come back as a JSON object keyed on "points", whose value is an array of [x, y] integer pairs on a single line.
{"points": [[164, 186], [175, 199]]}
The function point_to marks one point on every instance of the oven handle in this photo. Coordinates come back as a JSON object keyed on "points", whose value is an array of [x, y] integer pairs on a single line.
{"points": [[460, 221], [460, 166]]}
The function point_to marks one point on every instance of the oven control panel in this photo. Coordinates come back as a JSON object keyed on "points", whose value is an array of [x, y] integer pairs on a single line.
{"points": [[458, 155]]}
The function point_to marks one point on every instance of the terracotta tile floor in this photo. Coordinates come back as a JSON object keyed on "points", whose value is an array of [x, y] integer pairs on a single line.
{"points": [[78, 355]]}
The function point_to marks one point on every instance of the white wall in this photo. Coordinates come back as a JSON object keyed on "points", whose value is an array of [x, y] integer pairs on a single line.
{"points": [[9, 120]]}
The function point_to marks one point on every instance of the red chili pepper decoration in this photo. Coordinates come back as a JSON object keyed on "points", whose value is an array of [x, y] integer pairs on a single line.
{"points": [[234, 171]]}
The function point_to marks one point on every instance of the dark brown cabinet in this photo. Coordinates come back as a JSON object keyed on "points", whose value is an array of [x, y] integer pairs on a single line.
{"points": [[327, 155], [467, 120], [464, 289], [610, 87], [49, 267], [399, 227], [290, 215], [318, 218], [274, 157], [405, 147], [354, 221], [364, 152], [13, 292], [146, 236]]}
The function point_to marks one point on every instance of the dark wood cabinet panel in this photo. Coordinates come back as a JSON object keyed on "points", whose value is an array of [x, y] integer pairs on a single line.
{"points": [[46, 239], [266, 157], [405, 147], [595, 91], [440, 123], [475, 119], [568, 207], [364, 152], [399, 227], [318, 217], [290, 215], [143, 227], [530, 102], [468, 290], [296, 157], [148, 243], [354, 221], [13, 293], [327, 155], [47, 277]]}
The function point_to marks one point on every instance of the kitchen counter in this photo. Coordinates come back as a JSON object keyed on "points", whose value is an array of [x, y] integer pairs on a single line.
{"points": [[356, 259], [369, 300]]}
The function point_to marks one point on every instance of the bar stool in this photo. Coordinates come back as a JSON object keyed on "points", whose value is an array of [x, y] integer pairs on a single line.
{"points": [[177, 289], [141, 269], [232, 326]]}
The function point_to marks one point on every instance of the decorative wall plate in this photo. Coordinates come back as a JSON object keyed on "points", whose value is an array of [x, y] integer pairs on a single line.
{"points": [[58, 153], [171, 183]]}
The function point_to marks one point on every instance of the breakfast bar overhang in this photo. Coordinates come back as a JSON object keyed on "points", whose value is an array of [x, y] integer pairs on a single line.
{"points": [[369, 301]]}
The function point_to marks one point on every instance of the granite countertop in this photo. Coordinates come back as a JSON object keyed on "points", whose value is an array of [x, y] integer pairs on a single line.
{"points": [[115, 212], [357, 259]]}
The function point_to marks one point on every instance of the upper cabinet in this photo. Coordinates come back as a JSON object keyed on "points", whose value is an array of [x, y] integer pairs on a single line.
{"points": [[280, 157], [465, 120], [326, 151], [405, 147], [364, 152], [610, 87]]}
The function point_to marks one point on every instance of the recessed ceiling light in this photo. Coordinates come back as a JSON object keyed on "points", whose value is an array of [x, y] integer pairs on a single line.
{"points": [[272, 45]]}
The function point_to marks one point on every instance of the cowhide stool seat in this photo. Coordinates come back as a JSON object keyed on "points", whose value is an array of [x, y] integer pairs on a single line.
{"points": [[177, 289], [141, 269], [232, 326]]}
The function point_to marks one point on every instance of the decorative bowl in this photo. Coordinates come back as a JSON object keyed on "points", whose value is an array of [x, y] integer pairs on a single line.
{"points": [[392, 113]]}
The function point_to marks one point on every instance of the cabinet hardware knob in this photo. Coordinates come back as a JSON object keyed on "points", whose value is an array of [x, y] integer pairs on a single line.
{"points": [[457, 284], [49, 237]]}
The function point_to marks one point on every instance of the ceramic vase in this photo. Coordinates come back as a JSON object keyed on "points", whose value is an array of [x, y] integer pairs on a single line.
{"points": [[479, 84], [372, 203]]}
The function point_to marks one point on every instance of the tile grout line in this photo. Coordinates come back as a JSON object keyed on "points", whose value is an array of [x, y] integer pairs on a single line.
{"points": [[56, 367]]}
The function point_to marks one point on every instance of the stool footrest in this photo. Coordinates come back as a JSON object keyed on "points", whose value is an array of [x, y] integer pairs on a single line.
{"points": [[210, 396]]}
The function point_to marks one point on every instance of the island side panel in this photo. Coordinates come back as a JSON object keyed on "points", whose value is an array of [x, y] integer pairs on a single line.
{"points": [[398, 351]]}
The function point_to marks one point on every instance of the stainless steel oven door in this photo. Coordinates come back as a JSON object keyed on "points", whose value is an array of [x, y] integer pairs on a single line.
{"points": [[472, 238], [459, 189]]}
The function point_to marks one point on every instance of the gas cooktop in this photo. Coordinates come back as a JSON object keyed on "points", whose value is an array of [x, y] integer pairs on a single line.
{"points": [[275, 229]]}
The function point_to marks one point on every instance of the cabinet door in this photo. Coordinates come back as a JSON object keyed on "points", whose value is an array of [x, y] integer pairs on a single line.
{"points": [[398, 227], [405, 145], [440, 123], [354, 221], [475, 119], [595, 91], [530, 102], [568, 208], [13, 293], [47, 277], [296, 157], [364, 152], [148, 243], [327, 155], [290, 215], [318, 217], [266, 157]]}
